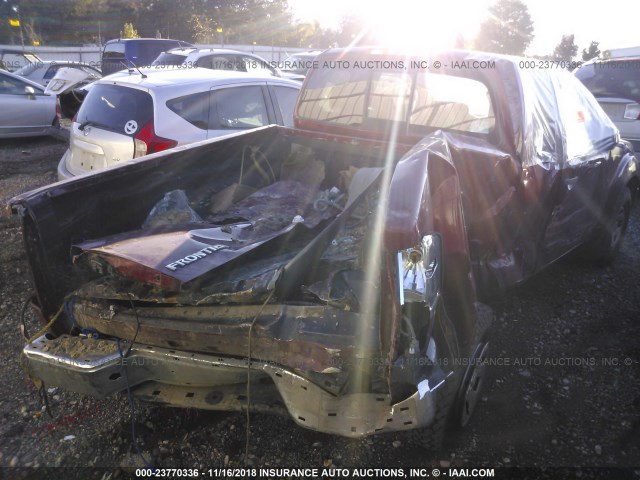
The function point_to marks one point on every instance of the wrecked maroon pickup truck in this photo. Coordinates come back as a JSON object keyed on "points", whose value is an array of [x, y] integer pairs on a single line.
{"points": [[332, 272]]}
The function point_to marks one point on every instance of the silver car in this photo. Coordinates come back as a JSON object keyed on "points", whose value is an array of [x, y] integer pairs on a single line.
{"points": [[222, 59], [26, 110], [134, 113], [300, 63], [616, 85]]}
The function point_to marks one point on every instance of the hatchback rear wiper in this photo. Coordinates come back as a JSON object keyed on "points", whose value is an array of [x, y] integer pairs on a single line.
{"points": [[88, 123]]}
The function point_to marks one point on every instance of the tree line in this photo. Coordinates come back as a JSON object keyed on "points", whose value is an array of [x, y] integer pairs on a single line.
{"points": [[508, 29], [73, 22]]}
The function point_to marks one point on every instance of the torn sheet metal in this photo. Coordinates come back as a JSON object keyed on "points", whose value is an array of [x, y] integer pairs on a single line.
{"points": [[296, 271], [186, 254], [268, 214]]}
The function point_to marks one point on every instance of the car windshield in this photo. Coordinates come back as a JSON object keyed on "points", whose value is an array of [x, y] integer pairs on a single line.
{"points": [[612, 79], [113, 107], [373, 99]]}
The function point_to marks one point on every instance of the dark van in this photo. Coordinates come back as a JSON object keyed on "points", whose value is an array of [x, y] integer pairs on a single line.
{"points": [[123, 53]]}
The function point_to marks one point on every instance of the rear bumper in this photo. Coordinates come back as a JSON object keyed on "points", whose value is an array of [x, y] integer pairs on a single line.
{"points": [[63, 172], [177, 378]]}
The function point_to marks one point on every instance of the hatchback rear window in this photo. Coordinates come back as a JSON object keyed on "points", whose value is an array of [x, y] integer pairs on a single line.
{"points": [[116, 108]]}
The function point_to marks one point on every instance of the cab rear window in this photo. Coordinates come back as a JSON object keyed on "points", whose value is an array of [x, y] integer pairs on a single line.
{"points": [[116, 108], [375, 99]]}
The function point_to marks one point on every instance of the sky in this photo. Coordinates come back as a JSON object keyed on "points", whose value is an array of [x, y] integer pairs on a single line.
{"points": [[551, 19]]}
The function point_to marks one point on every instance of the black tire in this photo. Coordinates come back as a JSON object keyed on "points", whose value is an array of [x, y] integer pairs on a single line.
{"points": [[473, 381], [448, 403], [432, 437], [607, 238]]}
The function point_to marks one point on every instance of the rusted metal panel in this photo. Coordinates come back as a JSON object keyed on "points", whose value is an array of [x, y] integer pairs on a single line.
{"points": [[308, 338]]}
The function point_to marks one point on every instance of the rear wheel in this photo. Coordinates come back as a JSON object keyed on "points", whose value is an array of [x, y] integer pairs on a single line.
{"points": [[432, 437], [474, 377], [456, 399], [607, 239]]}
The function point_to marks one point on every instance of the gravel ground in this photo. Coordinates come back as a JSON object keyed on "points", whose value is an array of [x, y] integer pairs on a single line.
{"points": [[564, 391]]}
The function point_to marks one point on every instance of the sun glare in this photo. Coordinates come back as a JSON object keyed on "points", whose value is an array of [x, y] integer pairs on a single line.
{"points": [[401, 24], [413, 24]]}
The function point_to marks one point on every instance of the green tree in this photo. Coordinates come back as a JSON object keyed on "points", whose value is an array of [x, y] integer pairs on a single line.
{"points": [[128, 31], [592, 52], [509, 28], [202, 29], [311, 35], [73, 22], [567, 49], [354, 32]]}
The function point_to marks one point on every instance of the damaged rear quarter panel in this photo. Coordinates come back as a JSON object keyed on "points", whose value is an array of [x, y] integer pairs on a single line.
{"points": [[424, 199]]}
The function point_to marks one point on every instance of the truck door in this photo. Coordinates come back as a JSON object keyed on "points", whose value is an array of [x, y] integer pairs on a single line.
{"points": [[583, 170]]}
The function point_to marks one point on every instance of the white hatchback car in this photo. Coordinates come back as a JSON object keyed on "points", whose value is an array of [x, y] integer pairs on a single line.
{"points": [[134, 113]]}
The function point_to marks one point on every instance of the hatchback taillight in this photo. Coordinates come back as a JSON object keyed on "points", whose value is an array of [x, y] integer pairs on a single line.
{"points": [[146, 141], [632, 111]]}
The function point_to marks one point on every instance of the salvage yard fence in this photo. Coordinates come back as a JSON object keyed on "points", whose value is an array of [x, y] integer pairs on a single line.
{"points": [[91, 54]]}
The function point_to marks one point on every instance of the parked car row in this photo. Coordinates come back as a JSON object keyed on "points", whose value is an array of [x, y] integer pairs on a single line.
{"points": [[67, 79], [221, 59], [613, 82], [124, 53]]}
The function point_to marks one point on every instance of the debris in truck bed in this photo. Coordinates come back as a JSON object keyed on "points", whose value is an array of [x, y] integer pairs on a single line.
{"points": [[304, 168], [224, 199], [274, 206], [173, 209]]}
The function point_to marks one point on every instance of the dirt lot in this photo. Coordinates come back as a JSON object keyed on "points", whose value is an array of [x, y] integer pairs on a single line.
{"points": [[565, 390]]}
